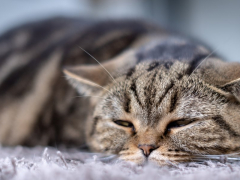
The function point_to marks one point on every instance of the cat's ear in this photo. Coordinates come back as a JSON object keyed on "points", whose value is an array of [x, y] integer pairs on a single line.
{"points": [[217, 72], [86, 79], [225, 75], [233, 87], [91, 79]]}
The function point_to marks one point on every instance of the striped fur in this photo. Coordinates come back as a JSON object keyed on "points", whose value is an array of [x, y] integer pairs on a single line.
{"points": [[154, 81], [29, 51]]}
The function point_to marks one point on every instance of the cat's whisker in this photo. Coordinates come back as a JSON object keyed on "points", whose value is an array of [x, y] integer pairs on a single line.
{"points": [[95, 84], [108, 158], [126, 153], [90, 96], [172, 163], [98, 63], [205, 59], [222, 157]]}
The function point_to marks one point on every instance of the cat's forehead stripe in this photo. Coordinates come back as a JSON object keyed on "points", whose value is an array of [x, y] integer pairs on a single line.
{"points": [[155, 86], [169, 86], [152, 86], [127, 106], [130, 72], [133, 88]]}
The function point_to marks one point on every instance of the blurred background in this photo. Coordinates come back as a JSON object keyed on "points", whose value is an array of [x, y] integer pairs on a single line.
{"points": [[215, 22]]}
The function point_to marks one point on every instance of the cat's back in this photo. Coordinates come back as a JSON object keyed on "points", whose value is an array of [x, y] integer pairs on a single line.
{"points": [[36, 101]]}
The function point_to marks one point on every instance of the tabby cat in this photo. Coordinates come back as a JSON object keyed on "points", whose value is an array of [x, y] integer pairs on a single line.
{"points": [[154, 96]]}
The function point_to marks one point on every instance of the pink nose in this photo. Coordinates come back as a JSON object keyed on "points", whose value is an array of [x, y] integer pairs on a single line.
{"points": [[147, 149]]}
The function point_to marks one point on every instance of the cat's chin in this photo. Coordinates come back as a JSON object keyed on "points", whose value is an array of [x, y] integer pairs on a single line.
{"points": [[156, 159], [168, 158], [143, 161], [140, 160], [136, 158]]}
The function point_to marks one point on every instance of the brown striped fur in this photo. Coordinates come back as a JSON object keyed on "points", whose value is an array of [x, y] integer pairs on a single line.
{"points": [[155, 81]]}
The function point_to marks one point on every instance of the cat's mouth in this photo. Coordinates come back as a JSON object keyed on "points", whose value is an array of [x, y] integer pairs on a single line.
{"points": [[170, 159], [156, 158]]}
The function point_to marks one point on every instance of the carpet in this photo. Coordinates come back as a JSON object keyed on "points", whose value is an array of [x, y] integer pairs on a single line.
{"points": [[21, 163]]}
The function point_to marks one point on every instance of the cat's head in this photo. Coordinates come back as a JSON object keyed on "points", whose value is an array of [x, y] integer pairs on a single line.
{"points": [[158, 112]]}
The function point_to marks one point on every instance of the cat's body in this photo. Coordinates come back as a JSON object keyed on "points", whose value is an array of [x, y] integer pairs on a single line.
{"points": [[33, 56], [152, 100]]}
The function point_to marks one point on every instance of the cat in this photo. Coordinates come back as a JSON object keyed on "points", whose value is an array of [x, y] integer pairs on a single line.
{"points": [[153, 96]]}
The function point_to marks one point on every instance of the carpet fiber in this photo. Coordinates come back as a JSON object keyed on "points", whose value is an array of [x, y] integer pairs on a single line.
{"points": [[21, 163]]}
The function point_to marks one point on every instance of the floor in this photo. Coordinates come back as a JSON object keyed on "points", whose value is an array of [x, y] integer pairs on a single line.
{"points": [[21, 163]]}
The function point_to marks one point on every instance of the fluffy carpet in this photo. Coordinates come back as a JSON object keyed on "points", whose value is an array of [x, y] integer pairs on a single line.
{"points": [[21, 163]]}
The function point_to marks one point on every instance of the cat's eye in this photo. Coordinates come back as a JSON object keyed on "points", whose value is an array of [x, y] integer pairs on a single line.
{"points": [[178, 123], [124, 123]]}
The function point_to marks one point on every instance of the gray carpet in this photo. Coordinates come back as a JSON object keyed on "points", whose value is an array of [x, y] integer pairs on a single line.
{"points": [[21, 163]]}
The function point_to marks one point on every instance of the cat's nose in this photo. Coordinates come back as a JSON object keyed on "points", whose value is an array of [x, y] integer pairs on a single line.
{"points": [[147, 149]]}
